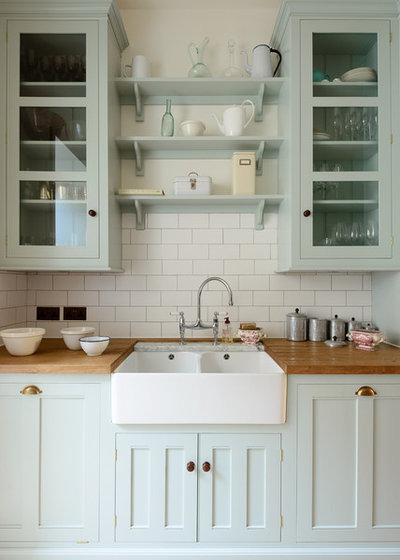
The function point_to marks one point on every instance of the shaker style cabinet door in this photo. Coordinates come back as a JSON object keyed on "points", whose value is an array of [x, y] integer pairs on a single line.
{"points": [[156, 487], [49, 468], [346, 200], [239, 488], [348, 464], [52, 140]]}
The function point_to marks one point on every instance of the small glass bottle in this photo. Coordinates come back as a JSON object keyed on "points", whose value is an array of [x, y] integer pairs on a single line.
{"points": [[227, 332], [167, 122]]}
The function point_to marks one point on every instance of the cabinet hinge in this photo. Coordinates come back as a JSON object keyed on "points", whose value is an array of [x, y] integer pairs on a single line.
{"points": [[6, 138], [115, 521], [391, 138], [82, 542], [115, 454], [281, 455], [390, 36], [6, 240], [280, 521], [391, 240]]}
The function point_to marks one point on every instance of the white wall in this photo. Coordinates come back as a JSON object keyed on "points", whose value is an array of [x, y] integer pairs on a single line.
{"points": [[386, 304]]}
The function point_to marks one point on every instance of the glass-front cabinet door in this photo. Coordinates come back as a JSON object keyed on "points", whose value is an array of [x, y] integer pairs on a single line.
{"points": [[346, 137], [52, 153]]}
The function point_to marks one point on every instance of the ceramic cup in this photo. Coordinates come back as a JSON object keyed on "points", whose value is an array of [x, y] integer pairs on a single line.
{"points": [[140, 65]]}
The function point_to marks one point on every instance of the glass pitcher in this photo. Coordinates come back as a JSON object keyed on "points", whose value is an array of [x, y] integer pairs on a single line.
{"points": [[198, 69]]}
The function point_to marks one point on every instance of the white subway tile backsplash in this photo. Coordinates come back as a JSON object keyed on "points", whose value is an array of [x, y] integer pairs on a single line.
{"points": [[165, 264], [100, 282]]}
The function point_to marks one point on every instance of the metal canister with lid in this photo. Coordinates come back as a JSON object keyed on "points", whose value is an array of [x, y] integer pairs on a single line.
{"points": [[337, 327], [296, 324], [317, 329], [353, 325]]}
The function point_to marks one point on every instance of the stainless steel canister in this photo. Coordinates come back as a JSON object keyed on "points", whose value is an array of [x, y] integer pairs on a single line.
{"points": [[353, 325], [337, 327], [317, 329], [296, 324]]}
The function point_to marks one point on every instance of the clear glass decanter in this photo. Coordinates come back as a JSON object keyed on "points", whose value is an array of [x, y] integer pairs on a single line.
{"points": [[167, 122], [232, 71]]}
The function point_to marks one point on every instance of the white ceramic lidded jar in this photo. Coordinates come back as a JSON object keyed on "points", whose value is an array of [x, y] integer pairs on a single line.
{"points": [[296, 325]]}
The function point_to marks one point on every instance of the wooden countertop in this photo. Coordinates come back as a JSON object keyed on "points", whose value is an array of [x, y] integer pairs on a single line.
{"points": [[293, 357], [53, 357], [316, 357]]}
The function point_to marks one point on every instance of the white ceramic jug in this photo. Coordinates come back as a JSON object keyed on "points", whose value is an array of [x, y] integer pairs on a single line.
{"points": [[234, 119], [262, 62]]}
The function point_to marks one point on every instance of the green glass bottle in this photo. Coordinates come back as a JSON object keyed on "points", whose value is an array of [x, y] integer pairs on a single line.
{"points": [[167, 123]]}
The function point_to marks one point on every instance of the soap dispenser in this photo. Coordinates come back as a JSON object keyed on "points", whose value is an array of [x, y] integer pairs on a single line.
{"points": [[227, 332]]}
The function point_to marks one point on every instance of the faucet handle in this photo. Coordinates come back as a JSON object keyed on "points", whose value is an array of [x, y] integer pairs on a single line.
{"points": [[176, 313]]}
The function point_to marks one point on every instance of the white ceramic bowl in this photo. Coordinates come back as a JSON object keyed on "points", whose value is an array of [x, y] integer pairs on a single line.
{"points": [[192, 128], [71, 336], [94, 345], [22, 341]]}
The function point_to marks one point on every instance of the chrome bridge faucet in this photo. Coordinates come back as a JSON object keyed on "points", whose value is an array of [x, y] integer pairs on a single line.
{"points": [[198, 324]]}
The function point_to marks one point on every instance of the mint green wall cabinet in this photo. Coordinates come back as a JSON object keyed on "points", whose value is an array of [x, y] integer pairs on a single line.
{"points": [[348, 463], [49, 469], [229, 490], [59, 119], [340, 159]]}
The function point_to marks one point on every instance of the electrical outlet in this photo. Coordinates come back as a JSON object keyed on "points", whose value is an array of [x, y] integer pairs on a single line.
{"points": [[47, 314], [74, 313]]}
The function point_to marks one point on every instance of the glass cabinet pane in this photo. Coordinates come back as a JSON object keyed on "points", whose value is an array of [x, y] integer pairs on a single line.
{"points": [[53, 64], [345, 213], [53, 213], [53, 139], [345, 139], [345, 64]]}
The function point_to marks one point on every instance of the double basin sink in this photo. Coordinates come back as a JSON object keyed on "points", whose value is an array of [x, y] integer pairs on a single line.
{"points": [[192, 387]]}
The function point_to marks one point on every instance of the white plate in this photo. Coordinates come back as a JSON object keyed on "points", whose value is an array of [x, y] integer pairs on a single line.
{"points": [[359, 75], [321, 136]]}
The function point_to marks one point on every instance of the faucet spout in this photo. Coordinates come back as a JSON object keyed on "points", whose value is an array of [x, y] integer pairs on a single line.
{"points": [[198, 323]]}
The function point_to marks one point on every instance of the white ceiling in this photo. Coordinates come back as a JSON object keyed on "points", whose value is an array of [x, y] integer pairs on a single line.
{"points": [[198, 4]]}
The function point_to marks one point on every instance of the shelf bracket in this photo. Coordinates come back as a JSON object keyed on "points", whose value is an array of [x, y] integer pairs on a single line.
{"points": [[138, 103], [259, 104], [259, 215], [139, 215], [139, 160], [259, 158]]}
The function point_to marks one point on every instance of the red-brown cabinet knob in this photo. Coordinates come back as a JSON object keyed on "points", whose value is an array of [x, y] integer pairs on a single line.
{"points": [[92, 213], [190, 466], [307, 213], [206, 466]]}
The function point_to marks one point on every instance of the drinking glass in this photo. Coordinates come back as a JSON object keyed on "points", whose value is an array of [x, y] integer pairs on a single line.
{"points": [[356, 234], [371, 233], [341, 234]]}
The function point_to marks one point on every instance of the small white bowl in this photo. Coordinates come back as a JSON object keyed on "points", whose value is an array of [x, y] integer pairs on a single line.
{"points": [[94, 345], [192, 128], [71, 336], [23, 341]]}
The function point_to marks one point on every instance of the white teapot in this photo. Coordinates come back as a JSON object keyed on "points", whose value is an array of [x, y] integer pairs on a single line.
{"points": [[234, 119]]}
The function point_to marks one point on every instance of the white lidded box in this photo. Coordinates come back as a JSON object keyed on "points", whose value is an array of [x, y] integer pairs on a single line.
{"points": [[192, 184], [243, 173]]}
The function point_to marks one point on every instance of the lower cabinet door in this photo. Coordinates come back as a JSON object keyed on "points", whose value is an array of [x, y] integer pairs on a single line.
{"points": [[49, 468], [156, 487], [348, 464], [239, 487]]}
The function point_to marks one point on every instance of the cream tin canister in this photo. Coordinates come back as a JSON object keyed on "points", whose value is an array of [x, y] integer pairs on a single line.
{"points": [[192, 184], [243, 173]]}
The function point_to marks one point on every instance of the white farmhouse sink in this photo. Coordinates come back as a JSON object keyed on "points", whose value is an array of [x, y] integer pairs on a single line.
{"points": [[198, 388]]}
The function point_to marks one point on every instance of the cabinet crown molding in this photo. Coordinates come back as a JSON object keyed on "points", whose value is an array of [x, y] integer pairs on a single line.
{"points": [[346, 9]]}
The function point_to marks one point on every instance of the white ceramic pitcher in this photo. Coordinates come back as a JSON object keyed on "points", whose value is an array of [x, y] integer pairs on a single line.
{"points": [[262, 62], [234, 119]]}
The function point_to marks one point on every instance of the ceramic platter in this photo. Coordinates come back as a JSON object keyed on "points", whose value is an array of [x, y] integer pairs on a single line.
{"points": [[362, 74]]}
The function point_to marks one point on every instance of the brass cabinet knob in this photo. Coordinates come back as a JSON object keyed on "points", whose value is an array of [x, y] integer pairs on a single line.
{"points": [[307, 213], [30, 390], [206, 466], [365, 391], [190, 466]]}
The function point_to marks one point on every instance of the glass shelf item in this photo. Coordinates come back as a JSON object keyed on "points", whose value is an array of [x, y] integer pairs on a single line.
{"points": [[351, 62], [345, 213], [47, 59]]}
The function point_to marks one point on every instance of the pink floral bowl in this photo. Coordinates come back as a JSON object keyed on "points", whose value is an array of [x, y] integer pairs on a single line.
{"points": [[251, 336], [366, 339]]}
